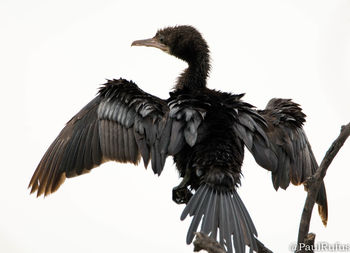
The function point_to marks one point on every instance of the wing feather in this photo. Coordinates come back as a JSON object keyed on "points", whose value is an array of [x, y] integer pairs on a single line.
{"points": [[276, 138], [296, 161], [120, 124]]}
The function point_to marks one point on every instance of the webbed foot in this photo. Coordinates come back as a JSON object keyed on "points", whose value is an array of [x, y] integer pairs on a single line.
{"points": [[181, 195]]}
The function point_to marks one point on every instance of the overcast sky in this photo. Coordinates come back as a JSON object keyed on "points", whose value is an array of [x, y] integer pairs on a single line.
{"points": [[55, 54]]}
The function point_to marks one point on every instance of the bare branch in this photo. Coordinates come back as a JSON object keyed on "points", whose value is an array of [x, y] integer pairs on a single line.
{"points": [[308, 245], [204, 242], [315, 181]]}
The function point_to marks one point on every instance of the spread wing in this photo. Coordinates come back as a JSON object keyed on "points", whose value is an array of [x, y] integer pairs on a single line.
{"points": [[276, 138], [296, 161], [122, 123]]}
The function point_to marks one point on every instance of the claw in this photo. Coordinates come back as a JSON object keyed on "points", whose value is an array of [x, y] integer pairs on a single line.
{"points": [[181, 195]]}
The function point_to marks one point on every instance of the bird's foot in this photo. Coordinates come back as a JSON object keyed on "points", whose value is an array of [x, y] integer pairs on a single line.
{"points": [[181, 195]]}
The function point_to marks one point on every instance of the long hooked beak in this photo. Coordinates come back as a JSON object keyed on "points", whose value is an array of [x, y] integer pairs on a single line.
{"points": [[153, 42]]}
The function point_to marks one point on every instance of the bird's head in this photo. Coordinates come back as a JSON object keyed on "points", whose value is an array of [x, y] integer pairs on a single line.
{"points": [[184, 42]]}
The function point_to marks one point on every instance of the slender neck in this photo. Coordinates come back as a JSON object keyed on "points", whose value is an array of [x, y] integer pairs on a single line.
{"points": [[195, 76]]}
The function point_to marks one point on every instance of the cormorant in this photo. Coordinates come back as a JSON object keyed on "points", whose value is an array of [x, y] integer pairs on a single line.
{"points": [[204, 130]]}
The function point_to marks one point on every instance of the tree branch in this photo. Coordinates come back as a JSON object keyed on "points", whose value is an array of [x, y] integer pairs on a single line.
{"points": [[204, 242], [308, 245], [315, 181]]}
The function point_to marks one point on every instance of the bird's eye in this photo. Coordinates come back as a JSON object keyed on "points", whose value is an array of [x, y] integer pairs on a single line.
{"points": [[161, 39]]}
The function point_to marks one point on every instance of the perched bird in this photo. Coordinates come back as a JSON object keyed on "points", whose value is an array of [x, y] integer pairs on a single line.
{"points": [[204, 130]]}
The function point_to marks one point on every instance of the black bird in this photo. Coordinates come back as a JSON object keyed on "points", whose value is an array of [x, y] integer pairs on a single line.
{"points": [[204, 130]]}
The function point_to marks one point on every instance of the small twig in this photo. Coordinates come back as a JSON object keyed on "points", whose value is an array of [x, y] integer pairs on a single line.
{"points": [[202, 241], [315, 182]]}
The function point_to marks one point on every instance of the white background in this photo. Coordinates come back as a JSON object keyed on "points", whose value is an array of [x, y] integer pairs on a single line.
{"points": [[55, 54]]}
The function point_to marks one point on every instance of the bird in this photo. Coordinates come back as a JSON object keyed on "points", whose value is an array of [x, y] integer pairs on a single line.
{"points": [[206, 131]]}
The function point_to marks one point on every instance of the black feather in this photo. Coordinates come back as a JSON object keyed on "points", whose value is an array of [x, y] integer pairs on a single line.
{"points": [[223, 211], [204, 130]]}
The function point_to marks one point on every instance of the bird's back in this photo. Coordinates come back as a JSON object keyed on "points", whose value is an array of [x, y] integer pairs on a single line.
{"points": [[218, 153]]}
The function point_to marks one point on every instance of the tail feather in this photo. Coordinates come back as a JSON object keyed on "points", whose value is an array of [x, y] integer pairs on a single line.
{"points": [[197, 217], [222, 211], [208, 219], [193, 204], [228, 212], [249, 227], [321, 200]]}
